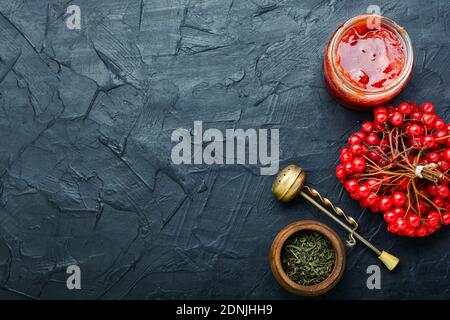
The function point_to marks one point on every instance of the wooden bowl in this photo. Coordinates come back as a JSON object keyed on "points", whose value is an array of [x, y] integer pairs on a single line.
{"points": [[277, 267]]}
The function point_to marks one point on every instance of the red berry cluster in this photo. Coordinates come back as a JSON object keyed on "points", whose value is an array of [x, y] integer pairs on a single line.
{"points": [[399, 165]]}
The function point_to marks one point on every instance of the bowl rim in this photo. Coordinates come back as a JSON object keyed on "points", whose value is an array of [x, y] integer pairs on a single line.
{"points": [[277, 267]]}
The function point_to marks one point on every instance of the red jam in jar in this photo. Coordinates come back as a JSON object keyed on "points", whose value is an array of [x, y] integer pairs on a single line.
{"points": [[368, 64]]}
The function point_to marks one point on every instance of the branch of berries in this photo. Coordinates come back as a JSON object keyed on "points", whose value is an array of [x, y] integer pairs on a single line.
{"points": [[399, 165]]}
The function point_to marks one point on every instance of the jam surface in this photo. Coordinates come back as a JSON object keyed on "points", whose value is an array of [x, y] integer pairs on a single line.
{"points": [[370, 58]]}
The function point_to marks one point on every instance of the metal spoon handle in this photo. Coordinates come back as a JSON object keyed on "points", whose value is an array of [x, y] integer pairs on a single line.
{"points": [[342, 224], [351, 241], [389, 260]]}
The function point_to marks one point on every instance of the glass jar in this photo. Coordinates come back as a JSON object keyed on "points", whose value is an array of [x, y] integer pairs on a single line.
{"points": [[351, 92]]}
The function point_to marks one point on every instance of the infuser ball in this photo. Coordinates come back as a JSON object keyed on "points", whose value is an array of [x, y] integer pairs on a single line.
{"points": [[288, 183]]}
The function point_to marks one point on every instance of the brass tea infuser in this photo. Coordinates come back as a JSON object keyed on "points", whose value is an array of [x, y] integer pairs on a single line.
{"points": [[290, 183]]}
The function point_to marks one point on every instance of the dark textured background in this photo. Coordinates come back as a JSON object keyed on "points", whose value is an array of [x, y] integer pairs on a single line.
{"points": [[85, 122]]}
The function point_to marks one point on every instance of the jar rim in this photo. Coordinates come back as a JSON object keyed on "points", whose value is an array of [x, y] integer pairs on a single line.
{"points": [[401, 34]]}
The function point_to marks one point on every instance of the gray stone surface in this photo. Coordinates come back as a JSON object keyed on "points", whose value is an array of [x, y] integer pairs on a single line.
{"points": [[85, 123]]}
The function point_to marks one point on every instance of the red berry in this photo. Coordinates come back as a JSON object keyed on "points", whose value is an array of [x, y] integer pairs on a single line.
{"points": [[354, 139], [374, 184], [365, 150], [416, 116], [404, 108], [446, 154], [440, 124], [401, 224], [441, 136], [428, 119], [374, 156], [371, 199], [433, 219], [398, 199], [399, 211], [439, 202], [427, 107], [390, 216], [446, 218], [434, 229], [374, 207], [351, 185], [356, 149], [348, 168], [344, 150], [381, 118], [377, 127], [432, 189], [385, 203], [367, 127], [429, 142], [363, 191], [392, 227], [423, 208], [433, 157], [372, 139], [413, 220], [421, 232], [410, 232], [444, 165], [443, 191], [360, 134], [414, 107], [359, 164], [363, 203], [380, 110], [414, 130], [355, 196], [340, 172], [396, 119], [346, 155]]}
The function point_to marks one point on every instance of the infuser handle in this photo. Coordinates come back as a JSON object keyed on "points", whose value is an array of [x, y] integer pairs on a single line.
{"points": [[388, 259], [354, 225]]}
